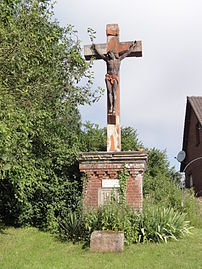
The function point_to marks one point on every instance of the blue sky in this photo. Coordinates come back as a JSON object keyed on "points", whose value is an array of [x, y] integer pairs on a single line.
{"points": [[153, 88]]}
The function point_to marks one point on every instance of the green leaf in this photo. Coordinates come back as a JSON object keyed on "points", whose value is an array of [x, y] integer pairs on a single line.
{"points": [[7, 167]]}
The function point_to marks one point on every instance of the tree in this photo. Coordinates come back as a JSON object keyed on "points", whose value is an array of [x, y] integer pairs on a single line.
{"points": [[129, 139], [41, 68], [160, 181], [157, 163], [94, 138]]}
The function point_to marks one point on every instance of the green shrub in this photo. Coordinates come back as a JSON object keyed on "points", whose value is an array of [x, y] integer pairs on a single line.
{"points": [[112, 216], [159, 224], [40, 123], [161, 190], [79, 225], [155, 224], [192, 208], [71, 226]]}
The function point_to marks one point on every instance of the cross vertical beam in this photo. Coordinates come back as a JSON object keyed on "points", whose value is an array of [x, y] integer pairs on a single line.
{"points": [[113, 120]]}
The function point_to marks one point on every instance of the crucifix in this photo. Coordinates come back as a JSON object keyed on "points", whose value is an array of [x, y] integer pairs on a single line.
{"points": [[113, 52]]}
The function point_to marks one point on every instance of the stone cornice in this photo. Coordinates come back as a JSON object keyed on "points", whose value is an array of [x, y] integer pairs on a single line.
{"points": [[113, 157]]}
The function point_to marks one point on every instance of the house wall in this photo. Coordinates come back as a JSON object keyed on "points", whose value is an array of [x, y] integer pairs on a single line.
{"points": [[194, 150]]}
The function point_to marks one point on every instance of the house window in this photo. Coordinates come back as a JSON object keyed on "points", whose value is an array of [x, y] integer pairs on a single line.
{"points": [[197, 134]]}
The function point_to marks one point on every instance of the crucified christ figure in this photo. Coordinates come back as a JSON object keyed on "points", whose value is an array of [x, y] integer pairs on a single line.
{"points": [[113, 61]]}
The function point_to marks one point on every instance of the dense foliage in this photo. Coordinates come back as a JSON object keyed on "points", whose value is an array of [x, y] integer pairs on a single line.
{"points": [[161, 187], [94, 138], [155, 224], [40, 69]]}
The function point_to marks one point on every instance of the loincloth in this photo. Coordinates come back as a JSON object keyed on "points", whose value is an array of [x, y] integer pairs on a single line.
{"points": [[112, 78]]}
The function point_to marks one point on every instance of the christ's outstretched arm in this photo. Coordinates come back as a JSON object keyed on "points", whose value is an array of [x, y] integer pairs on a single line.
{"points": [[124, 55], [101, 55]]}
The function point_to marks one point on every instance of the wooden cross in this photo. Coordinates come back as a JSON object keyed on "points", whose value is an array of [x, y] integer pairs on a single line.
{"points": [[113, 118]]}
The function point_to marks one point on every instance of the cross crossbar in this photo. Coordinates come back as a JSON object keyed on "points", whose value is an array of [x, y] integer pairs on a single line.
{"points": [[102, 48]]}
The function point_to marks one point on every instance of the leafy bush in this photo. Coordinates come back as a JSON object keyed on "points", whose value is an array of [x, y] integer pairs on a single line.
{"points": [[112, 216], [155, 224], [41, 67], [158, 224], [161, 190], [93, 138], [79, 225], [71, 226], [192, 208], [161, 187]]}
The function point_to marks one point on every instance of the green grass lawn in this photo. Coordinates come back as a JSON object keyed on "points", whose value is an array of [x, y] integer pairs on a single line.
{"points": [[31, 249]]}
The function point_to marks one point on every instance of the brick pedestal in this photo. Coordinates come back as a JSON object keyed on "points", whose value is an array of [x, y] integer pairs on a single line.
{"points": [[104, 167]]}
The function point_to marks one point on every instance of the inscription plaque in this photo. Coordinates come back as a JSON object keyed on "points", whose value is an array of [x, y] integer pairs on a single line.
{"points": [[110, 183]]}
